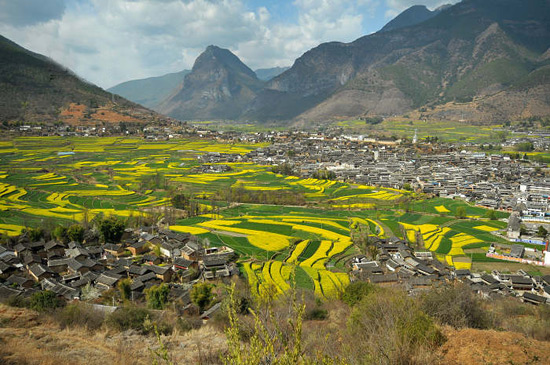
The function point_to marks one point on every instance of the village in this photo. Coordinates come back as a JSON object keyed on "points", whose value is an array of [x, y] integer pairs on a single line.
{"points": [[89, 271], [505, 182]]}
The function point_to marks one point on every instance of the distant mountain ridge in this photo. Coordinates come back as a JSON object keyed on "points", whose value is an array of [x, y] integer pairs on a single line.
{"points": [[479, 60], [485, 54], [267, 74], [414, 15], [150, 92], [218, 87], [34, 88]]}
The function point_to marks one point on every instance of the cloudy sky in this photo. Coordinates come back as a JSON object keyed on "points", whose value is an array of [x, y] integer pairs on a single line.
{"points": [[111, 41]]}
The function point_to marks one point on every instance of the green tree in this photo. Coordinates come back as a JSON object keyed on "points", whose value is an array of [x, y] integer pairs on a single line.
{"points": [[525, 147], [491, 214], [124, 288], [356, 291], [389, 328], [75, 233], [523, 230], [542, 232], [44, 301], [202, 295], [157, 296], [111, 229], [60, 233], [35, 234], [180, 201], [460, 212]]}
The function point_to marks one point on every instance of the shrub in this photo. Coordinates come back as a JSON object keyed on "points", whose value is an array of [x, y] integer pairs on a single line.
{"points": [[388, 327], [124, 288], [75, 233], [45, 301], [356, 291], [128, 317], [456, 306], [81, 315], [17, 301], [157, 326], [60, 233], [201, 295], [111, 229], [316, 313], [186, 324], [157, 296]]}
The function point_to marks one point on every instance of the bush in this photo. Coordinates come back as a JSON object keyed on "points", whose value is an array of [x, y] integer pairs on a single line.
{"points": [[45, 301], [129, 317], [186, 324], [356, 291], [388, 327], [157, 326], [111, 229], [157, 296], [201, 295], [81, 315], [17, 301], [456, 306], [316, 314], [75, 233]]}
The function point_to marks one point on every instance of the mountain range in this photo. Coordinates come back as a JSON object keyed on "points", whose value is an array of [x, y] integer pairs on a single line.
{"points": [[477, 60]]}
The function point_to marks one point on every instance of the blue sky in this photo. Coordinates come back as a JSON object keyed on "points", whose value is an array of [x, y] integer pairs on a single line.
{"points": [[111, 41]]}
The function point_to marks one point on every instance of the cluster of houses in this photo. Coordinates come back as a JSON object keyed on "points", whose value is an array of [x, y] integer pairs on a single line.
{"points": [[71, 269], [397, 264]]}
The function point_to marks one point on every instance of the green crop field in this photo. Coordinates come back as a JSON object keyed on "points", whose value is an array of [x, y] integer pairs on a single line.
{"points": [[49, 181]]}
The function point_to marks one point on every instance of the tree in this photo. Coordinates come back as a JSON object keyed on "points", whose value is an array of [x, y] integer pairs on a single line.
{"points": [[75, 233], [180, 201], [124, 288], [492, 215], [460, 212], [60, 233], [111, 229], [201, 295], [157, 296], [523, 230], [35, 234], [356, 291], [44, 301], [525, 147], [542, 232]]}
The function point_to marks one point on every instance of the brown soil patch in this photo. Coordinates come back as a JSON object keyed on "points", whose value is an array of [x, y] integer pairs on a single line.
{"points": [[104, 114], [79, 114], [73, 114], [470, 346]]}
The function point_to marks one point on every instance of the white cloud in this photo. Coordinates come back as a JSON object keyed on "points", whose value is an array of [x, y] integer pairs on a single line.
{"points": [[28, 12], [108, 42]]}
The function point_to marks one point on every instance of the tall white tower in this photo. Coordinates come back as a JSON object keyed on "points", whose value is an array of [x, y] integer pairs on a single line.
{"points": [[415, 138]]}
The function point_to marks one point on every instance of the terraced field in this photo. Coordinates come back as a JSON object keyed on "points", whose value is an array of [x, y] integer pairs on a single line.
{"points": [[274, 245], [49, 181], [448, 243]]}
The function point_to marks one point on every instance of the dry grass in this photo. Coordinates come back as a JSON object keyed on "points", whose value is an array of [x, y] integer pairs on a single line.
{"points": [[26, 338]]}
